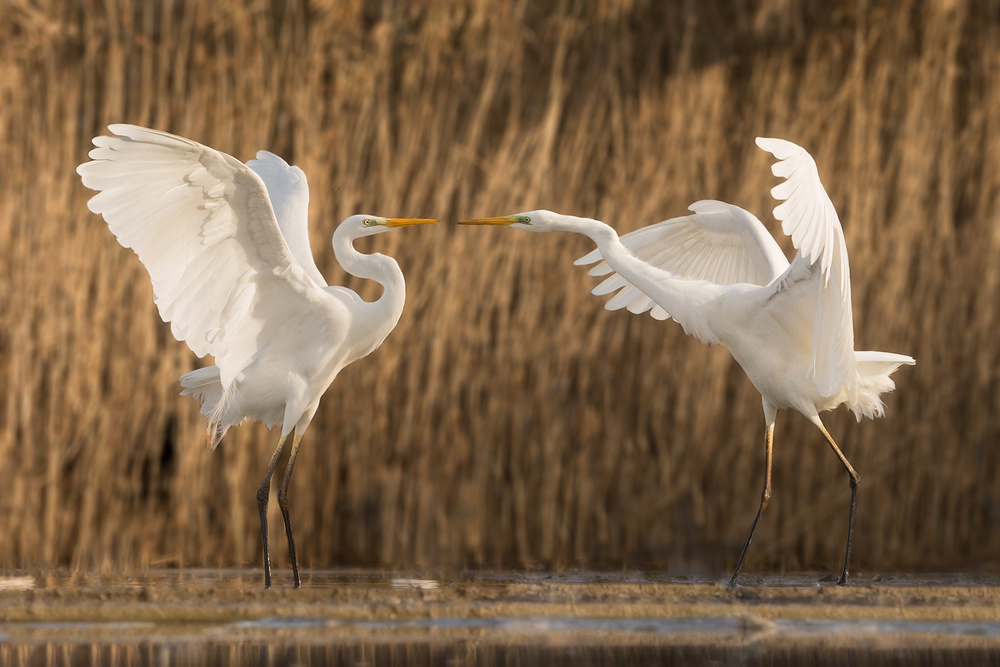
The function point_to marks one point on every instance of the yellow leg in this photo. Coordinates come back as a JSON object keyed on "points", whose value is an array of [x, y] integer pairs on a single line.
{"points": [[765, 497]]}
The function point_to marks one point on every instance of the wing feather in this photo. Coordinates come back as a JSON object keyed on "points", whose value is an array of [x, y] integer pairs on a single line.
{"points": [[718, 242], [640, 304], [659, 314], [289, 192], [809, 217], [609, 285], [202, 224]]}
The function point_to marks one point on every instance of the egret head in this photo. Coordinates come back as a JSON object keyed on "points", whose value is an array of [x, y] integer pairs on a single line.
{"points": [[533, 221], [366, 225]]}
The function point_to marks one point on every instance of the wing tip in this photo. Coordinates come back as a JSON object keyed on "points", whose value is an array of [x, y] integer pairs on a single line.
{"points": [[779, 148], [133, 132], [709, 206], [268, 156], [145, 135], [589, 258], [121, 129]]}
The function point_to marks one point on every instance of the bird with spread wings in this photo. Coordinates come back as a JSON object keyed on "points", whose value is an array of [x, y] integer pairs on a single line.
{"points": [[724, 279], [226, 245]]}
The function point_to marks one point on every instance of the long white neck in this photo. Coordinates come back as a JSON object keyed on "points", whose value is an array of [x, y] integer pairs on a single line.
{"points": [[384, 270], [685, 300]]}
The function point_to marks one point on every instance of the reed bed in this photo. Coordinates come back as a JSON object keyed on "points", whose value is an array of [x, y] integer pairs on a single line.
{"points": [[509, 421]]}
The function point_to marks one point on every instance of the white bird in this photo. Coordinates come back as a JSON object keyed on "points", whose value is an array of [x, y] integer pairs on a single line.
{"points": [[722, 276], [226, 245]]}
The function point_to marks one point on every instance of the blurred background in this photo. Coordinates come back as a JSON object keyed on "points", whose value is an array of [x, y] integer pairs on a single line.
{"points": [[509, 420]]}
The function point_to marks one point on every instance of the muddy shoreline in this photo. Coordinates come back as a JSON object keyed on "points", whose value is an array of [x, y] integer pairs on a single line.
{"points": [[181, 607]]}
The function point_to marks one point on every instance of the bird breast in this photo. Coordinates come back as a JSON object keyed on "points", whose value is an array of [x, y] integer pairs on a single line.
{"points": [[771, 337]]}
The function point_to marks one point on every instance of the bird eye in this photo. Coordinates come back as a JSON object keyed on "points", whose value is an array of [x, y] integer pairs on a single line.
{"points": [[526, 219], [369, 222]]}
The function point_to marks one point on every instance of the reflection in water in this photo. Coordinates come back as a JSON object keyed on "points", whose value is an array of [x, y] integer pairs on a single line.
{"points": [[459, 654]]}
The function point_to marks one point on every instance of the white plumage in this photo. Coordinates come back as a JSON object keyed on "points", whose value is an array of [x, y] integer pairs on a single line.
{"points": [[226, 245], [720, 243], [724, 279]]}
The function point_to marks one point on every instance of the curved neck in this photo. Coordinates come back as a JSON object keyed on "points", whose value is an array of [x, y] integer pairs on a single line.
{"points": [[618, 257], [599, 232], [380, 268], [614, 252]]}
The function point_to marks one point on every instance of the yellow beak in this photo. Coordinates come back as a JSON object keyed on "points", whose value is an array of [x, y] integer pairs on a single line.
{"points": [[496, 220], [406, 222]]}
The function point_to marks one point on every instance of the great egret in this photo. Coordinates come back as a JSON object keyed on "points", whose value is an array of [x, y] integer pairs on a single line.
{"points": [[226, 245], [722, 276]]}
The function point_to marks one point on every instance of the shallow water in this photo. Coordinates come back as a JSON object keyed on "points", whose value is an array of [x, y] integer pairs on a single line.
{"points": [[364, 617]]}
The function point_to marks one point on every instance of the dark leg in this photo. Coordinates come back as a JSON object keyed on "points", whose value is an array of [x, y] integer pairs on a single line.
{"points": [[283, 504], [262, 495], [765, 497], [855, 478]]}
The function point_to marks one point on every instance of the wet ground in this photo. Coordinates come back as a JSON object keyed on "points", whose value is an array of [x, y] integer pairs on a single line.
{"points": [[208, 617]]}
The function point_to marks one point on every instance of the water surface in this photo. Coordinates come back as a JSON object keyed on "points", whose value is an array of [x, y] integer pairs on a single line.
{"points": [[371, 617]]}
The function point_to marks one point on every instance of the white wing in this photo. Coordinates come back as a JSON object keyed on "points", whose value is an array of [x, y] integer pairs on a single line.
{"points": [[202, 224], [289, 193], [808, 216], [720, 243]]}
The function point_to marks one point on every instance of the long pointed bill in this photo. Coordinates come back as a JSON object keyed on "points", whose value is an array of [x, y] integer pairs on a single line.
{"points": [[496, 220], [406, 222]]}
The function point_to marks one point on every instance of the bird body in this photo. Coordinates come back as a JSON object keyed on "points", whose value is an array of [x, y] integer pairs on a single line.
{"points": [[288, 394], [724, 279], [226, 245], [767, 328]]}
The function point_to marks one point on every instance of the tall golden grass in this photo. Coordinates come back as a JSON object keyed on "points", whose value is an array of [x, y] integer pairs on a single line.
{"points": [[509, 420]]}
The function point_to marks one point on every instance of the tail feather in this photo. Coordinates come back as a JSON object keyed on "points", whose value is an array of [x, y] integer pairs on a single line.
{"points": [[874, 369], [206, 384]]}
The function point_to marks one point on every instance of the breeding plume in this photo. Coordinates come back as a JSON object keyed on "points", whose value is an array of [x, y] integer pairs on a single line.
{"points": [[725, 280], [226, 245]]}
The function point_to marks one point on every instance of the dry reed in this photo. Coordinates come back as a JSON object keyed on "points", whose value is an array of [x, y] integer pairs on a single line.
{"points": [[509, 420]]}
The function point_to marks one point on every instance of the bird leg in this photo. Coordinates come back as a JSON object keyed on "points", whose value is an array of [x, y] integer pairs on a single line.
{"points": [[283, 504], [262, 495], [855, 478], [765, 497]]}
